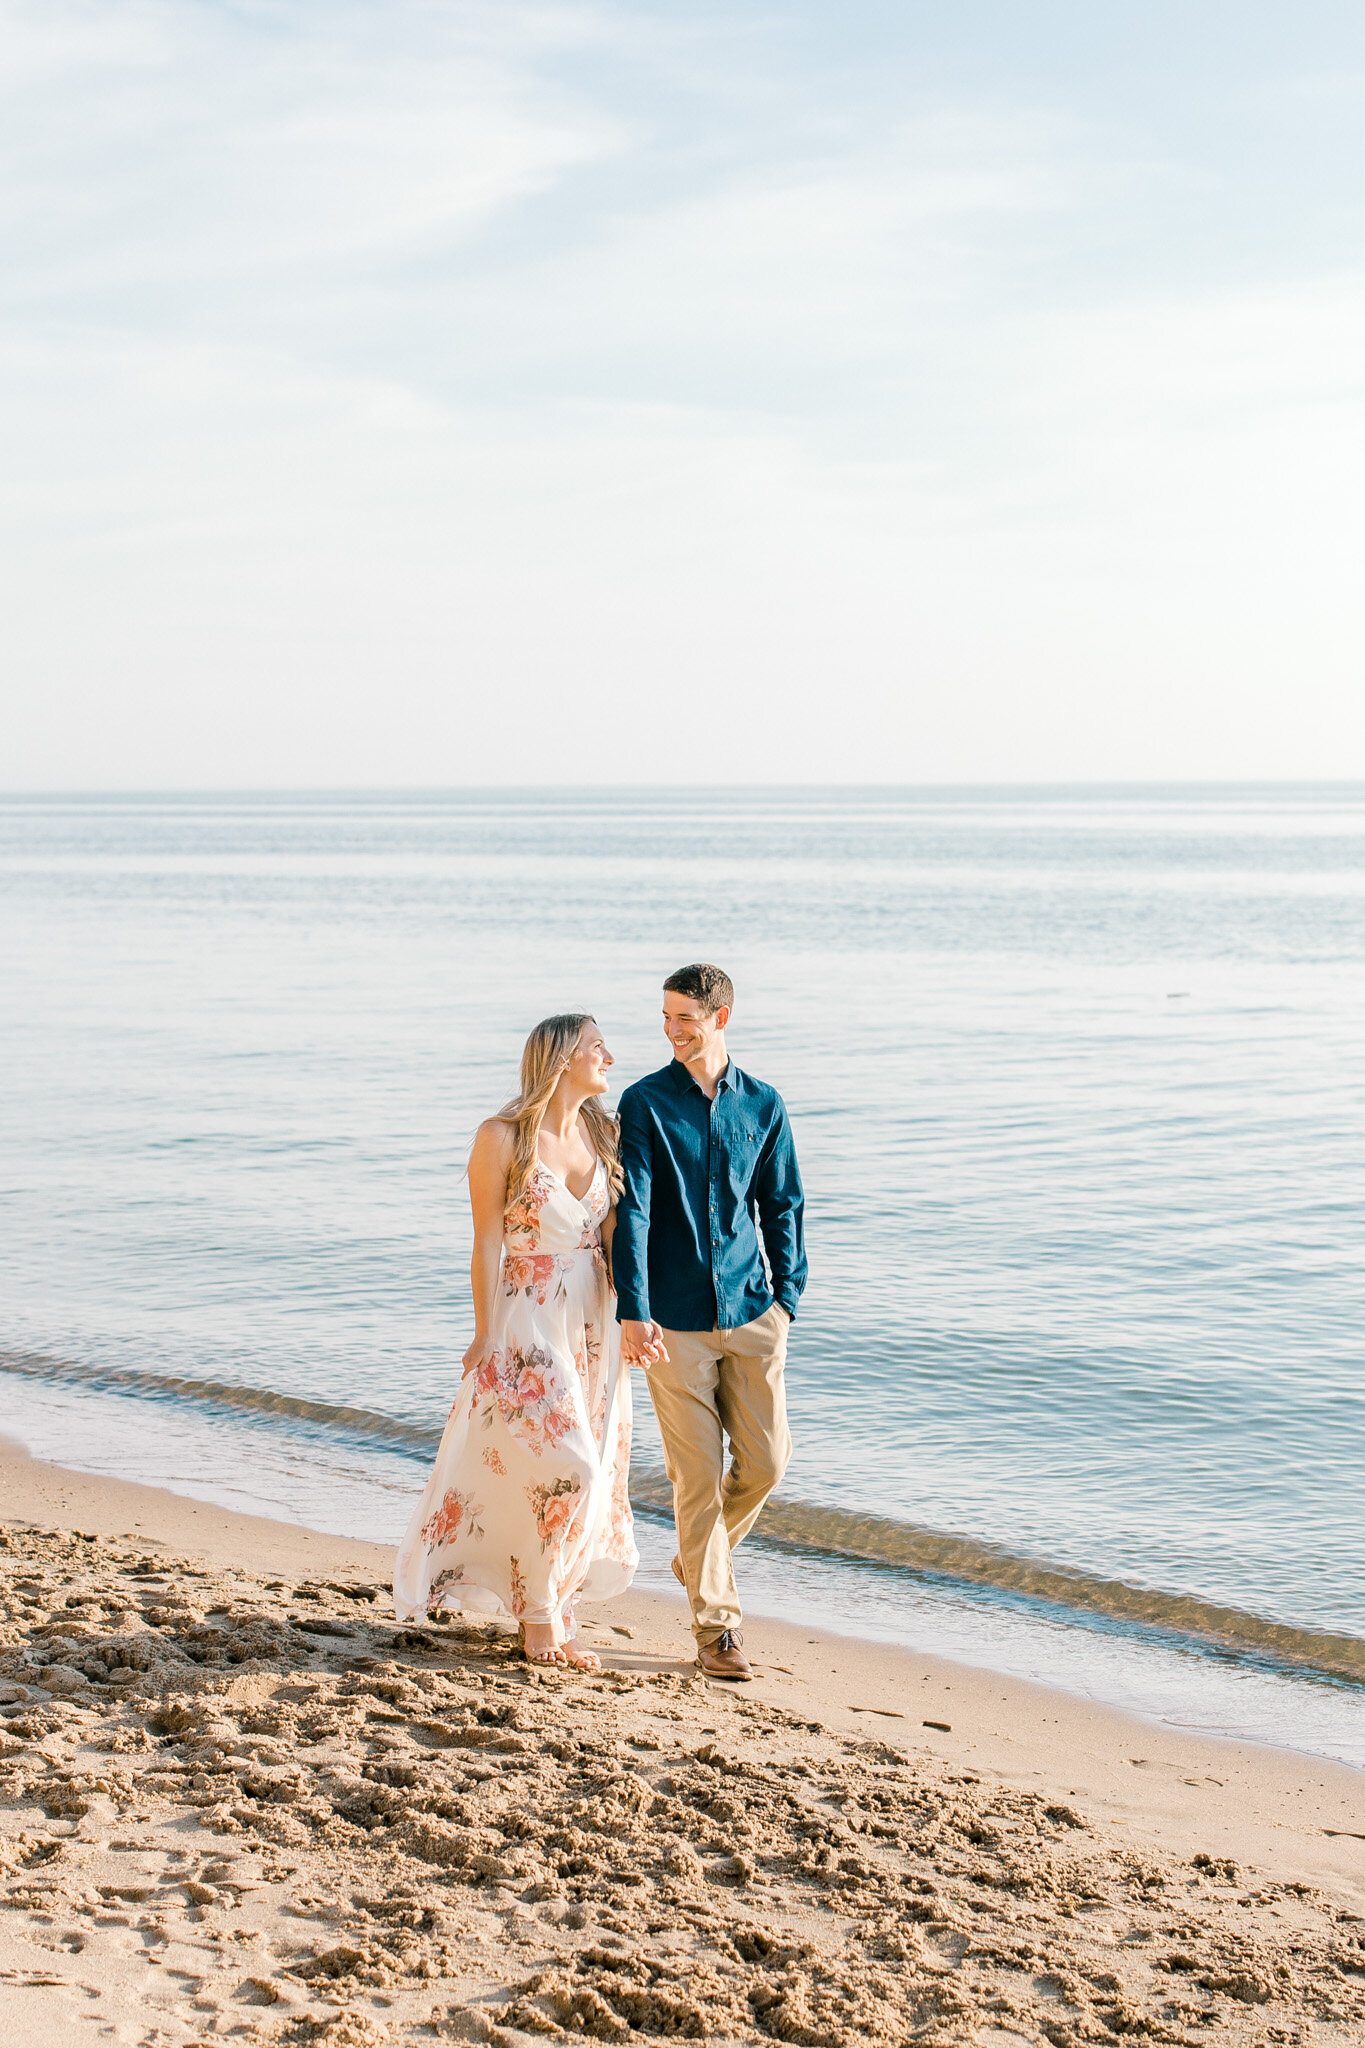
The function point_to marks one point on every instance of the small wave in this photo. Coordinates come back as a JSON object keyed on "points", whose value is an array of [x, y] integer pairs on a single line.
{"points": [[929, 1553], [875, 1540], [251, 1401]]}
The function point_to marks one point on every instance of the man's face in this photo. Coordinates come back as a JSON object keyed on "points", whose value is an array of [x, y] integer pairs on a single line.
{"points": [[690, 1029]]}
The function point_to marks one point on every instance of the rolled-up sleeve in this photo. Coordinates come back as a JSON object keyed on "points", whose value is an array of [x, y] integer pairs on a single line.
{"points": [[630, 1241], [781, 1203]]}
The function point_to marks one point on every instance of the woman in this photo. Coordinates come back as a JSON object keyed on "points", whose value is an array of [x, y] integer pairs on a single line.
{"points": [[526, 1510]]}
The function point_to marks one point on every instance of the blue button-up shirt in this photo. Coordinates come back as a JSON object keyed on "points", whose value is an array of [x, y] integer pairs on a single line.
{"points": [[703, 1177]]}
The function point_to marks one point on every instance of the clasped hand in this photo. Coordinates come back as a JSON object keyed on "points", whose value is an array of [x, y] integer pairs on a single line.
{"points": [[642, 1344]]}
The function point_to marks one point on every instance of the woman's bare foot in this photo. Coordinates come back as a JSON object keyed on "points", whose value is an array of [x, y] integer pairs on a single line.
{"points": [[576, 1655], [540, 1643]]}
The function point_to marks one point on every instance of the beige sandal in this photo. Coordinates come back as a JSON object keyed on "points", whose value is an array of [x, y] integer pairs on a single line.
{"points": [[576, 1656], [545, 1654]]}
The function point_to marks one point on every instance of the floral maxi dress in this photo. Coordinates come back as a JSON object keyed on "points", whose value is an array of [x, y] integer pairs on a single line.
{"points": [[526, 1509]]}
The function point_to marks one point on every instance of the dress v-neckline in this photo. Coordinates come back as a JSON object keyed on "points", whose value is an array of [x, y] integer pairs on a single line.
{"points": [[582, 1200]]}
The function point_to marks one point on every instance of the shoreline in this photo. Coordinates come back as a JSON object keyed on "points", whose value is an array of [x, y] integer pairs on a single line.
{"points": [[1117, 1845], [1161, 1666], [995, 1713]]}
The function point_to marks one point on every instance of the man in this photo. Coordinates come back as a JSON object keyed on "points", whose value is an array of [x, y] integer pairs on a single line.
{"points": [[705, 1147]]}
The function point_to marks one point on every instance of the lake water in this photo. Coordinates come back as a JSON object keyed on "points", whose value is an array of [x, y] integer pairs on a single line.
{"points": [[1077, 1086]]}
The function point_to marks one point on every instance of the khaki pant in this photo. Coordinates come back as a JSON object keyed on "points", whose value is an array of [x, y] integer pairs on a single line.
{"points": [[719, 1383]]}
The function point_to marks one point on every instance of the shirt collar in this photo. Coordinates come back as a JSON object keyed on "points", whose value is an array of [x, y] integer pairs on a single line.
{"points": [[679, 1076]]}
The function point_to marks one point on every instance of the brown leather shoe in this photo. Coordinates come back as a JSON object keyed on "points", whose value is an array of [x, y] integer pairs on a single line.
{"points": [[724, 1658]]}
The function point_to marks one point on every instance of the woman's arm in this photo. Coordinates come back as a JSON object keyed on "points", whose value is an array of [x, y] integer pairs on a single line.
{"points": [[488, 1166], [607, 1232]]}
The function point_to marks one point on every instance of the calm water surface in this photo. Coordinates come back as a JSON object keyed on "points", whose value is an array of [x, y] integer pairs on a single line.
{"points": [[1077, 1087]]}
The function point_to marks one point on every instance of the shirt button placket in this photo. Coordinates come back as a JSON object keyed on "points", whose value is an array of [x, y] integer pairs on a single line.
{"points": [[715, 1226]]}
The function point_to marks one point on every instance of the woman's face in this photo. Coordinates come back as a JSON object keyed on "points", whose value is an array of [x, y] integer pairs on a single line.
{"points": [[588, 1067]]}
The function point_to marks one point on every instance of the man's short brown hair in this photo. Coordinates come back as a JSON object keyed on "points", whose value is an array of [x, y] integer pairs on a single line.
{"points": [[707, 985]]}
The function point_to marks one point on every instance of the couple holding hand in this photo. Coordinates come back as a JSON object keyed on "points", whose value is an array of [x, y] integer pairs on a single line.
{"points": [[600, 1244]]}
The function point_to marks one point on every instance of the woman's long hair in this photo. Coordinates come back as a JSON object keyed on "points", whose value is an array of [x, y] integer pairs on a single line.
{"points": [[546, 1056]]}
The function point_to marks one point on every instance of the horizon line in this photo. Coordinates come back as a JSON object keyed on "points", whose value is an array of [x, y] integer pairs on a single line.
{"points": [[257, 791]]}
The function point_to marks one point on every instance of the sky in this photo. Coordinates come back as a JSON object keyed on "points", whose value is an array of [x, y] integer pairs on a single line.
{"points": [[411, 392]]}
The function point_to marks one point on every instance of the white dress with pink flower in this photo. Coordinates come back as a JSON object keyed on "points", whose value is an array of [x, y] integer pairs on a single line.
{"points": [[526, 1509]]}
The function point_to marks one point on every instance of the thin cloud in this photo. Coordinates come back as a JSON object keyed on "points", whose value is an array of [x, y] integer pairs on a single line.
{"points": [[367, 371]]}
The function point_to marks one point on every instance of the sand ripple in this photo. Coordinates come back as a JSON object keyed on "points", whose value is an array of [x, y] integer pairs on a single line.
{"points": [[249, 1806]]}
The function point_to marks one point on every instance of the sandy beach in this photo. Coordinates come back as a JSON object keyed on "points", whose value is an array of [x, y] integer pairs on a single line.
{"points": [[237, 1800]]}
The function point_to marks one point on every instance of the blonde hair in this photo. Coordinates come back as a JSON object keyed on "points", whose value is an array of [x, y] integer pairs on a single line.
{"points": [[544, 1060]]}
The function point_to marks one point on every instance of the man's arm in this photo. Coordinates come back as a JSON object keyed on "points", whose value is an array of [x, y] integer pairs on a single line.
{"points": [[781, 1212], [630, 1239], [641, 1339]]}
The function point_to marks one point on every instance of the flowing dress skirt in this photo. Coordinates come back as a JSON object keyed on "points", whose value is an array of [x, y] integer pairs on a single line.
{"points": [[527, 1508]]}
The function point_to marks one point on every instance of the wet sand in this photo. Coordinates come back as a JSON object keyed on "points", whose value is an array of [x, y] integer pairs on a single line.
{"points": [[238, 1801]]}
